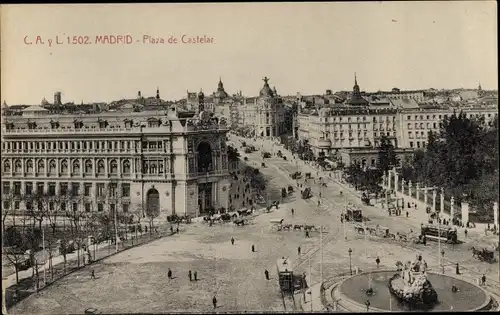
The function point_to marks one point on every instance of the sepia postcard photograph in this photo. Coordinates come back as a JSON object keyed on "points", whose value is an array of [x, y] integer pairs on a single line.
{"points": [[266, 157]]}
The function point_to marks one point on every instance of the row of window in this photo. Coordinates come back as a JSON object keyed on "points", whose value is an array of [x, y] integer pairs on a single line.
{"points": [[418, 144], [65, 189], [421, 134], [468, 115], [79, 145], [78, 124], [421, 125], [64, 166]]}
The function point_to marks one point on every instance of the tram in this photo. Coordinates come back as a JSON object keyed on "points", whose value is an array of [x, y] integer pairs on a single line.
{"points": [[443, 233], [285, 274]]}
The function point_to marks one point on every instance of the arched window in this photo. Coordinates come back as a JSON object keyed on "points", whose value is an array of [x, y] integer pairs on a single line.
{"points": [[153, 168], [41, 166], [204, 157], [29, 166], [113, 166], [88, 167], [64, 166], [100, 167], [17, 166], [52, 167], [126, 167], [6, 166], [76, 167]]}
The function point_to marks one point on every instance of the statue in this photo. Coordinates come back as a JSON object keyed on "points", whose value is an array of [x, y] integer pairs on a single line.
{"points": [[411, 286]]}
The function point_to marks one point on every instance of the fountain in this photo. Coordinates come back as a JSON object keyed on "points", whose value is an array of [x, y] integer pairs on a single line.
{"points": [[411, 288]]}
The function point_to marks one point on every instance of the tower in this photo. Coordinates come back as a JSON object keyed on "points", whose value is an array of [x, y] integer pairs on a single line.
{"points": [[355, 89], [201, 102], [57, 99]]}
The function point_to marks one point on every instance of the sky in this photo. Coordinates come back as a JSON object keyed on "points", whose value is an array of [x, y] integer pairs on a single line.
{"points": [[301, 47]]}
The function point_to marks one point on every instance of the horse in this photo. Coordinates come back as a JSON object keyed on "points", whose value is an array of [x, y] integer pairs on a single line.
{"points": [[287, 227], [298, 227]]}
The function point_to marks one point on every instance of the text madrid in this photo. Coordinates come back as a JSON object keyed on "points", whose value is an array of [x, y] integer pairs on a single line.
{"points": [[119, 39]]}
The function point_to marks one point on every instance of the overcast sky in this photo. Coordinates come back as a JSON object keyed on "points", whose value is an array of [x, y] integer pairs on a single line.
{"points": [[304, 48]]}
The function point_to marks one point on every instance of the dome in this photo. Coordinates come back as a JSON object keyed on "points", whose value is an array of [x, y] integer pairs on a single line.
{"points": [[266, 90]]}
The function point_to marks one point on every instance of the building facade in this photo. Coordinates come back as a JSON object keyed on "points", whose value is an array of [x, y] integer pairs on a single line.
{"points": [[265, 114], [167, 162]]}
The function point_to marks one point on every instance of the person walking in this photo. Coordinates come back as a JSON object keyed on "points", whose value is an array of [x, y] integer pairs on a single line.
{"points": [[483, 280], [465, 233], [92, 275], [232, 240], [190, 275], [172, 229], [177, 230], [169, 273], [293, 211], [377, 261], [298, 250], [195, 276], [266, 273], [214, 302], [253, 248], [457, 269], [407, 214]]}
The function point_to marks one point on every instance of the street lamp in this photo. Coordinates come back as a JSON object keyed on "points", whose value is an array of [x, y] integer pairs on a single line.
{"points": [[350, 263], [442, 260]]}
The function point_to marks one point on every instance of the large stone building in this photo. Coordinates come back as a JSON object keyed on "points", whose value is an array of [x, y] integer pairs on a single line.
{"points": [[357, 125], [265, 114], [147, 161]]}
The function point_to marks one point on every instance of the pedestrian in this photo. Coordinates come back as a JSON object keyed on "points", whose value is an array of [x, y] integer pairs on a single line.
{"points": [[253, 248], [232, 241], [172, 229], [307, 233], [214, 302], [190, 275], [266, 273], [457, 269], [409, 205], [293, 211], [169, 273], [319, 202], [298, 250], [92, 275], [415, 206], [177, 230], [367, 303], [407, 214], [483, 279], [377, 261], [195, 276], [465, 232]]}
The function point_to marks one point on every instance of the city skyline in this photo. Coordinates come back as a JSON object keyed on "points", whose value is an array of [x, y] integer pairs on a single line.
{"points": [[381, 42]]}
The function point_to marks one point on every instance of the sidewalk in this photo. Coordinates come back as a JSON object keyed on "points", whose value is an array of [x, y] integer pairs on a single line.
{"points": [[313, 299]]}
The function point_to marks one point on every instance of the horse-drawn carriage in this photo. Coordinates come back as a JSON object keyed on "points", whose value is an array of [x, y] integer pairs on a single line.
{"points": [[275, 204], [353, 214], [244, 211], [240, 221], [381, 231], [483, 254]]}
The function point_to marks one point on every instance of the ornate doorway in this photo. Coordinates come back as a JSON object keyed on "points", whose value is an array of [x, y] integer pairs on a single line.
{"points": [[205, 197], [152, 203]]}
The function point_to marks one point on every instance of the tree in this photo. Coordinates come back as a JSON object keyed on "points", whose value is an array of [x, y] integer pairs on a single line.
{"points": [[386, 155], [232, 154]]}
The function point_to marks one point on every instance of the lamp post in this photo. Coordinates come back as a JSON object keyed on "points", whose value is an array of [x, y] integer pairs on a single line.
{"points": [[350, 263], [442, 260]]}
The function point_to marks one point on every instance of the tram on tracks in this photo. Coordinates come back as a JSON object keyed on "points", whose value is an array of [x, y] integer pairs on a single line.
{"points": [[285, 274], [441, 233]]}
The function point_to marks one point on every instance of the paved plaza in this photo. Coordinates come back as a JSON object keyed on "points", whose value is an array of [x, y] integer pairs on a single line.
{"points": [[136, 280]]}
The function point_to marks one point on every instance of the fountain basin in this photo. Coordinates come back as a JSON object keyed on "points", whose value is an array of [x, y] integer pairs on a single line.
{"points": [[469, 297]]}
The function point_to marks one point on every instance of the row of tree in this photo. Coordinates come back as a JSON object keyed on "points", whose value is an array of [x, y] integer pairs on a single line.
{"points": [[52, 222], [302, 148]]}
